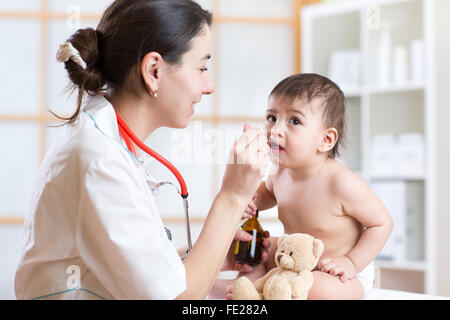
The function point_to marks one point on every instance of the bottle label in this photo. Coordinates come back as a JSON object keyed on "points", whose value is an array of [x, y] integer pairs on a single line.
{"points": [[253, 246], [249, 251]]}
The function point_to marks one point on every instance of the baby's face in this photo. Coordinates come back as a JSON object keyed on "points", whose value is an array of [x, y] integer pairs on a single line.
{"points": [[295, 130]]}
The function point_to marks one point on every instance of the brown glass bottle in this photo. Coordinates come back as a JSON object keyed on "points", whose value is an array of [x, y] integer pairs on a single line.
{"points": [[250, 251]]}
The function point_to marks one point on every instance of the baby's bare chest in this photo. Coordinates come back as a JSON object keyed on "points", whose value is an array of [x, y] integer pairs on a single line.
{"points": [[306, 206], [305, 197]]}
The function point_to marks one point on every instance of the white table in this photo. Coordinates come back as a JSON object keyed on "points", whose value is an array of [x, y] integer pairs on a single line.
{"points": [[385, 294]]}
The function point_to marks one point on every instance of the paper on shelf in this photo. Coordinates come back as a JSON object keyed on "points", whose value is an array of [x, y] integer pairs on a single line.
{"points": [[393, 195]]}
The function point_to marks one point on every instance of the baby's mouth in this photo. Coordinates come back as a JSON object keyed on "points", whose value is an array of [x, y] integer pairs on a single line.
{"points": [[276, 147]]}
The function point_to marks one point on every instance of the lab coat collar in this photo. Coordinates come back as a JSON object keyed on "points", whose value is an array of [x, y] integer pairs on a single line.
{"points": [[102, 113]]}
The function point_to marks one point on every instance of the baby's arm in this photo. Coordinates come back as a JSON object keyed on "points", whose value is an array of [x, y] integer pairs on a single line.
{"points": [[262, 200], [361, 203], [265, 198]]}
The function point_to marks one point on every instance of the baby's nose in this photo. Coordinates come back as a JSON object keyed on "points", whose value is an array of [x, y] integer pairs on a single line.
{"points": [[277, 131]]}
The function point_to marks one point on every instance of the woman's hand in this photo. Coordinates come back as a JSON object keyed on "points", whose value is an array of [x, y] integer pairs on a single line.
{"points": [[247, 163], [230, 263]]}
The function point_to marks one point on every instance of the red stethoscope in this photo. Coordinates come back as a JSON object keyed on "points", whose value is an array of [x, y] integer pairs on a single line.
{"points": [[129, 137]]}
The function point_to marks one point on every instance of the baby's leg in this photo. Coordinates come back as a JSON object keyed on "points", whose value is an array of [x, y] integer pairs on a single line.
{"points": [[328, 287]]}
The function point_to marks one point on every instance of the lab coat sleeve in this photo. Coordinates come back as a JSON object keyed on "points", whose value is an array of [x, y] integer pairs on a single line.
{"points": [[121, 237]]}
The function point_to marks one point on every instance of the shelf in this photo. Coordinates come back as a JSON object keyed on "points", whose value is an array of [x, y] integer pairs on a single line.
{"points": [[412, 265], [395, 88], [391, 109], [352, 92], [324, 10], [397, 176]]}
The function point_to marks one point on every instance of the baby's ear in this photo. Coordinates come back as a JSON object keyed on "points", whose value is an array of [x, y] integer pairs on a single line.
{"points": [[329, 139]]}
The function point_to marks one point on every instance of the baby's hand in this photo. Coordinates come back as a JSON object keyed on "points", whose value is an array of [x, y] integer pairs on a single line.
{"points": [[250, 211], [341, 267]]}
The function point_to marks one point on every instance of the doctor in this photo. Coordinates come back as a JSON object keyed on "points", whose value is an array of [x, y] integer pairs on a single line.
{"points": [[93, 230]]}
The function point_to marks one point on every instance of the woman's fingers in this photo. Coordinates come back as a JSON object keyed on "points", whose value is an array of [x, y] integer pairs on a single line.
{"points": [[251, 143], [242, 235]]}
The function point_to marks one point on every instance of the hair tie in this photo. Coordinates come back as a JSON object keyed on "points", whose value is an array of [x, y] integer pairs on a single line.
{"points": [[68, 52]]}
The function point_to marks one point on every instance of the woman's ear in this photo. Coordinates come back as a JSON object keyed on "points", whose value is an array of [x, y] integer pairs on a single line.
{"points": [[150, 71], [329, 139]]}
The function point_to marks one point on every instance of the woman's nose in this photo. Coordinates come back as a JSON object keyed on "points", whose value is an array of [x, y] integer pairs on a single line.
{"points": [[209, 85]]}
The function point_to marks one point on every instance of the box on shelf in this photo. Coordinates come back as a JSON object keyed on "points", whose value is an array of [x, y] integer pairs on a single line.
{"points": [[383, 154], [415, 208], [405, 203], [410, 153], [402, 154], [392, 194], [344, 69]]}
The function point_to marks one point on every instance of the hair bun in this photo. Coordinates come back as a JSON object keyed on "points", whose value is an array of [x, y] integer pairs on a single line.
{"points": [[84, 72]]}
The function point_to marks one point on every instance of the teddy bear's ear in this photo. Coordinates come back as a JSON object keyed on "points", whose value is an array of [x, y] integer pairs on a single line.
{"points": [[281, 239], [317, 248]]}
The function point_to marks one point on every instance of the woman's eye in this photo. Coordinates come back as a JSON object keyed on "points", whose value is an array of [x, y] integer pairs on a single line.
{"points": [[271, 118], [294, 121]]}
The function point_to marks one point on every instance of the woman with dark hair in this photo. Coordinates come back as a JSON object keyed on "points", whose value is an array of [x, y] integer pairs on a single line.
{"points": [[93, 230]]}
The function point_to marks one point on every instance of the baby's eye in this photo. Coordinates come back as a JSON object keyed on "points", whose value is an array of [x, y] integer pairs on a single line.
{"points": [[290, 253], [282, 251], [294, 121], [271, 118]]}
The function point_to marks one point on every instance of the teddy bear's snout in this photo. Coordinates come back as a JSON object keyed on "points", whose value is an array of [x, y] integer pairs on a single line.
{"points": [[285, 261]]}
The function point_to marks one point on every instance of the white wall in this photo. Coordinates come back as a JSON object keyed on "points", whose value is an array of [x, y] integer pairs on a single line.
{"points": [[443, 147], [240, 51], [10, 248]]}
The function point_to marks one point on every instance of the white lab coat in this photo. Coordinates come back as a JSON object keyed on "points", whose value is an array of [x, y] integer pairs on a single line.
{"points": [[92, 209]]}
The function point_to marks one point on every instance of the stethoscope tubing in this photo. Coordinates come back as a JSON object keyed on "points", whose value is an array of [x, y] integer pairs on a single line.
{"points": [[124, 127], [127, 134]]}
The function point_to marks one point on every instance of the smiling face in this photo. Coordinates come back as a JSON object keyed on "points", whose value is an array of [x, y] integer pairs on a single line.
{"points": [[183, 85], [295, 131]]}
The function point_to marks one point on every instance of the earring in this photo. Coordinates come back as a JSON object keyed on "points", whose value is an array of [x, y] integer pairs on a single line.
{"points": [[155, 95]]}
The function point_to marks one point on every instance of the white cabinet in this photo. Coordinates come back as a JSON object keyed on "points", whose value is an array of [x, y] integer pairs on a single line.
{"points": [[390, 116]]}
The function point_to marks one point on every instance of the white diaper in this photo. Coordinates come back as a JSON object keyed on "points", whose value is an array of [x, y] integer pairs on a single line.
{"points": [[366, 277]]}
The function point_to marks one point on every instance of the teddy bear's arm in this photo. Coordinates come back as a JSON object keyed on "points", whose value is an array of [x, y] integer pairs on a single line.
{"points": [[259, 284], [302, 283]]}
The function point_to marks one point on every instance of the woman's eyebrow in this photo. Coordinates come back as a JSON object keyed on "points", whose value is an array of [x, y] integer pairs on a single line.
{"points": [[206, 57]]}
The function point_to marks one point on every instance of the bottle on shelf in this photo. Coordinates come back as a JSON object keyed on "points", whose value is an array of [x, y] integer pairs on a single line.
{"points": [[250, 251], [384, 55]]}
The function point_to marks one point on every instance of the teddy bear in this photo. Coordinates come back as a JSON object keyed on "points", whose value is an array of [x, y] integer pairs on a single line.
{"points": [[297, 255]]}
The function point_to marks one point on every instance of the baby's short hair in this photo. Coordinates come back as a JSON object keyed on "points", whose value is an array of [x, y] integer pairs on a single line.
{"points": [[308, 86]]}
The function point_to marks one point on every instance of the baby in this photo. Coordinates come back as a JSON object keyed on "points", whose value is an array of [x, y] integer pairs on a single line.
{"points": [[315, 193]]}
